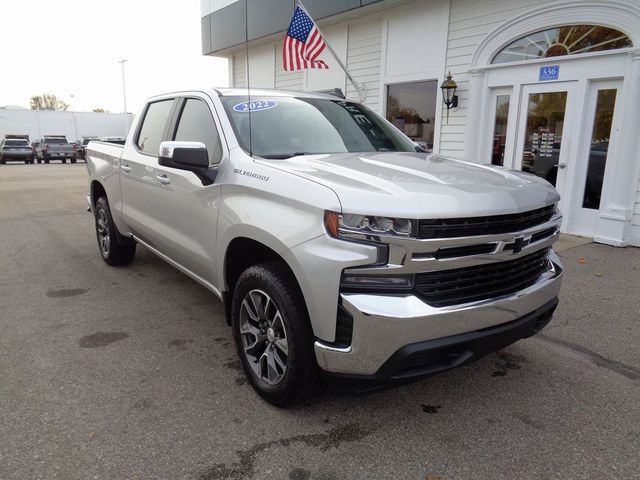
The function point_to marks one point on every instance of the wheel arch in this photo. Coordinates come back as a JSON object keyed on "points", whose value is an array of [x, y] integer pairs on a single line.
{"points": [[241, 253], [97, 190]]}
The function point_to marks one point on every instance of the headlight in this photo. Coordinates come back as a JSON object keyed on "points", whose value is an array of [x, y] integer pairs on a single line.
{"points": [[348, 223]]}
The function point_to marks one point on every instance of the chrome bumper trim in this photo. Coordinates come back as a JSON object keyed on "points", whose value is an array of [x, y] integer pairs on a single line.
{"points": [[382, 324]]}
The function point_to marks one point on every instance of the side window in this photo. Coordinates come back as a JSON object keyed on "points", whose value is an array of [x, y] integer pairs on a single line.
{"points": [[196, 125], [153, 125]]}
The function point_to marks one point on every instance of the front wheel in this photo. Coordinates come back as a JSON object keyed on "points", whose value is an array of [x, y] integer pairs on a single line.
{"points": [[273, 334], [114, 249]]}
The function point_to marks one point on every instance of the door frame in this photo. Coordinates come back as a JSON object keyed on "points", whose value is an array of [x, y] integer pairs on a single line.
{"points": [[567, 150], [582, 69], [580, 220]]}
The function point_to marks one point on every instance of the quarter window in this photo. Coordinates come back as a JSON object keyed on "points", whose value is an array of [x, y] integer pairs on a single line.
{"points": [[197, 125], [153, 125]]}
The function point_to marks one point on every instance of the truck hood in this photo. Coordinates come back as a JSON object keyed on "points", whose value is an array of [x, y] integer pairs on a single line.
{"points": [[418, 185]]}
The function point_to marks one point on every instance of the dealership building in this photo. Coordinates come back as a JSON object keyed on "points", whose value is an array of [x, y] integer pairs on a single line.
{"points": [[549, 87]]}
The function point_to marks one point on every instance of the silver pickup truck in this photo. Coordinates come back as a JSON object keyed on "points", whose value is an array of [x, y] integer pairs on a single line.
{"points": [[55, 147], [340, 250]]}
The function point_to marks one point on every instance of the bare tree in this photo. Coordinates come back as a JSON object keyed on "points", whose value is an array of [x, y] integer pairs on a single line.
{"points": [[48, 101]]}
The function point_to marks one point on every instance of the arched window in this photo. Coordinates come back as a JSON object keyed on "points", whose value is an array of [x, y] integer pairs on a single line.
{"points": [[560, 41]]}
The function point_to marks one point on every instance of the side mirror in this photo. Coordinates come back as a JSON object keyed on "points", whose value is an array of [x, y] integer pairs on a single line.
{"points": [[191, 156]]}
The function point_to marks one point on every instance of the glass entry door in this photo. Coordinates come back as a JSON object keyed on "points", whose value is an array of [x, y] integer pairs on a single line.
{"points": [[545, 130], [597, 139]]}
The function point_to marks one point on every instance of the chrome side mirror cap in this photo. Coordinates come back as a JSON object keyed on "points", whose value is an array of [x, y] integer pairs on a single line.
{"points": [[184, 155]]}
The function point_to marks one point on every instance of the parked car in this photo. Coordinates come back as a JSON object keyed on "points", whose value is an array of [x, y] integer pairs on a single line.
{"points": [[81, 151], [55, 147], [15, 149], [336, 247]]}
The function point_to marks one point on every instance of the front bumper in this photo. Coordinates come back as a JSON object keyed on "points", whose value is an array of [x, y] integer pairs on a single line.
{"points": [[385, 324], [426, 358]]}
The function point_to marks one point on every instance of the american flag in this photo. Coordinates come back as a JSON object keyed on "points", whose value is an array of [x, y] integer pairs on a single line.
{"points": [[303, 43]]}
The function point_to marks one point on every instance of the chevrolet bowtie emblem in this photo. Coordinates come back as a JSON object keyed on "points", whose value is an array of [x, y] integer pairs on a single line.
{"points": [[519, 243]]}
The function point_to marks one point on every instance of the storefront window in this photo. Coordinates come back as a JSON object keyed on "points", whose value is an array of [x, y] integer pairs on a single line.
{"points": [[411, 107], [500, 129], [561, 41]]}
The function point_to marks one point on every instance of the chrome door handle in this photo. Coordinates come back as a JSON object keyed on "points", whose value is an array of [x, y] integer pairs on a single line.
{"points": [[163, 179], [561, 165], [125, 168]]}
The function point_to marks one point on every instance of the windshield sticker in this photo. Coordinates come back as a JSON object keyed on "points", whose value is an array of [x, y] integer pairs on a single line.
{"points": [[255, 106]]}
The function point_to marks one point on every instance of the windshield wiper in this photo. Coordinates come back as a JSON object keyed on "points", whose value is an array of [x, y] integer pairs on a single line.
{"points": [[281, 156]]}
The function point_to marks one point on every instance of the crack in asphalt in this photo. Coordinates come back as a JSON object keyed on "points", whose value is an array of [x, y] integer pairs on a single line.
{"points": [[632, 373], [245, 466]]}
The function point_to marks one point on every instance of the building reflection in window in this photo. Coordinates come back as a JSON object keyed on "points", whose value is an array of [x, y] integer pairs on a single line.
{"points": [[411, 107]]}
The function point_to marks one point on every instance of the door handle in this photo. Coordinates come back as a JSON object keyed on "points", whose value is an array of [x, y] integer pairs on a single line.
{"points": [[163, 179], [125, 168], [561, 165]]}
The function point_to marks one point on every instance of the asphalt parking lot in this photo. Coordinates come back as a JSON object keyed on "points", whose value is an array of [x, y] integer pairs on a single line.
{"points": [[131, 373]]}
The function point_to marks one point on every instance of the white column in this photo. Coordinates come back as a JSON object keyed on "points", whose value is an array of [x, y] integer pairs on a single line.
{"points": [[623, 167], [477, 94]]}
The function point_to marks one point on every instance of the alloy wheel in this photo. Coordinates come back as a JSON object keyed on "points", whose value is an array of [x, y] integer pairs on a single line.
{"points": [[104, 239], [264, 337]]}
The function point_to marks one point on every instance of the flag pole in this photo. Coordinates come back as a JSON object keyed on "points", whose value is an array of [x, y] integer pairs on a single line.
{"points": [[359, 88]]}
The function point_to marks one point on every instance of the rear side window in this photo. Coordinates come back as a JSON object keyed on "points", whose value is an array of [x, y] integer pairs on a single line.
{"points": [[153, 125], [196, 125]]}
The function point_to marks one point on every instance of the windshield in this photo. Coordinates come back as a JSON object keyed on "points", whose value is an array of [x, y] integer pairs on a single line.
{"points": [[16, 143], [282, 127]]}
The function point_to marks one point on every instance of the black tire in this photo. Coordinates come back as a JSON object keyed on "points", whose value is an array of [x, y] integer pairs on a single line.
{"points": [[46, 160], [114, 249], [3, 162], [74, 160], [298, 380], [63, 160]]}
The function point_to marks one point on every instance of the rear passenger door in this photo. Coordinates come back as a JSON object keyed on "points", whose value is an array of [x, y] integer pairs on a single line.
{"points": [[188, 209], [139, 185]]}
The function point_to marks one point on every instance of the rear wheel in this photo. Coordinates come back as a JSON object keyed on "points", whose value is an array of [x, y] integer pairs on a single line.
{"points": [[114, 249], [273, 334], [74, 160], [63, 160]]}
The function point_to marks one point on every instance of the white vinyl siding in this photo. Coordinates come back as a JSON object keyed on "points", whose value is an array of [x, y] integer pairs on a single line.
{"points": [[470, 21], [239, 70], [364, 52], [286, 80]]}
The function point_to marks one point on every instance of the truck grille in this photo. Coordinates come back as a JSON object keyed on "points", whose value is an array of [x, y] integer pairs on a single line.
{"points": [[462, 285], [465, 227]]}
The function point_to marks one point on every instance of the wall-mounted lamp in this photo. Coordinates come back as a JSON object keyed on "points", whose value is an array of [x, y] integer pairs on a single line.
{"points": [[449, 94]]}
